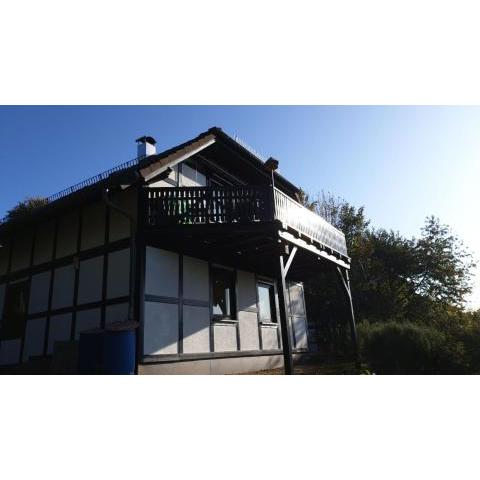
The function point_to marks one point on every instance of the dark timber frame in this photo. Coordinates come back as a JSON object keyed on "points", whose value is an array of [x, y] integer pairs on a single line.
{"points": [[282, 300], [345, 280], [78, 255]]}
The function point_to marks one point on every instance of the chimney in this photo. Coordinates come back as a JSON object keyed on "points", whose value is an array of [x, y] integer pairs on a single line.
{"points": [[146, 146]]}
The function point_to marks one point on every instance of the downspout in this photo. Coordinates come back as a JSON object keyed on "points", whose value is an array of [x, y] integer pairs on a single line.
{"points": [[133, 231]]}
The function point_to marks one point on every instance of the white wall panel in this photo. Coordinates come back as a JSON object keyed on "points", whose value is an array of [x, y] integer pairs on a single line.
{"points": [[172, 176], [34, 338], [160, 331], [118, 275], [116, 313], [93, 226], [225, 337], [10, 351], [269, 338], [119, 224], [195, 279], [87, 320], [2, 298], [160, 184], [248, 325], [43, 250], [39, 290], [90, 280], [246, 287], [60, 329], [196, 329], [63, 283], [67, 235], [22, 250], [4, 254], [161, 275]]}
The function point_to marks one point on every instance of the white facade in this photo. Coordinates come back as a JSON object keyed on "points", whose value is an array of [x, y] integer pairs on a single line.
{"points": [[178, 319]]}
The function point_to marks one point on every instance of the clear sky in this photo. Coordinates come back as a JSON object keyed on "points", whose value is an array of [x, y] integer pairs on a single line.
{"points": [[402, 163]]}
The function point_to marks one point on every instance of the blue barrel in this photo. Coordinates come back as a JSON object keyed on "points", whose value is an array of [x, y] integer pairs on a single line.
{"points": [[119, 349], [90, 349]]}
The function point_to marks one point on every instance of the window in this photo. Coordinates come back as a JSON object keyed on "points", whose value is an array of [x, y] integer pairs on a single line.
{"points": [[297, 306], [266, 302], [15, 311], [223, 293], [191, 177]]}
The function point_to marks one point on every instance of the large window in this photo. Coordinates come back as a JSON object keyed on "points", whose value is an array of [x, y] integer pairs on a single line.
{"points": [[223, 293], [15, 311], [297, 305], [266, 302]]}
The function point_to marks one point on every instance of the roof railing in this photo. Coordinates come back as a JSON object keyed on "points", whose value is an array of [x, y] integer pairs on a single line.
{"points": [[248, 147], [88, 182]]}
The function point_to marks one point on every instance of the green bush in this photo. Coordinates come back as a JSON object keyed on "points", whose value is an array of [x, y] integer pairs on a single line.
{"points": [[403, 348]]}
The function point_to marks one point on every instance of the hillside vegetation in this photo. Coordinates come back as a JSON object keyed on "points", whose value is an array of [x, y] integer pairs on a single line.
{"points": [[409, 295]]}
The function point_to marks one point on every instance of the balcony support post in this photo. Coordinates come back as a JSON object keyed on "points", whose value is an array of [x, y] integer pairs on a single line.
{"points": [[283, 309], [345, 281]]}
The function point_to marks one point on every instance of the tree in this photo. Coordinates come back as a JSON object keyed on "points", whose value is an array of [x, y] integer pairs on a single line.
{"points": [[304, 198], [25, 207], [444, 265], [394, 277]]}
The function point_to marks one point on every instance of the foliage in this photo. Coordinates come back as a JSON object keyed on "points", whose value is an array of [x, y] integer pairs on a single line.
{"points": [[24, 207], [304, 198], [394, 347], [409, 294], [444, 265], [409, 348]]}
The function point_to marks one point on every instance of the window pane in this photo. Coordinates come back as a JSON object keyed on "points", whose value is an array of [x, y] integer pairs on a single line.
{"points": [[266, 302], [223, 289], [296, 299], [191, 177], [15, 310]]}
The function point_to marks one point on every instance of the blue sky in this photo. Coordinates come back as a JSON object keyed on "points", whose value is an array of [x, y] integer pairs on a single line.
{"points": [[402, 163]]}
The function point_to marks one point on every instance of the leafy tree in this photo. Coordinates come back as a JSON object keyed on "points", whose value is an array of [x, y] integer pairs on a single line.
{"points": [[25, 207], [304, 198], [414, 281], [444, 265]]}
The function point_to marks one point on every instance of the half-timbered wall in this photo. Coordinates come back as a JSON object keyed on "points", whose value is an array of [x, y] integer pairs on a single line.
{"points": [[78, 272], [177, 314]]}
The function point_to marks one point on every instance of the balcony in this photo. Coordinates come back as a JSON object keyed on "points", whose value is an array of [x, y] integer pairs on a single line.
{"points": [[172, 206]]}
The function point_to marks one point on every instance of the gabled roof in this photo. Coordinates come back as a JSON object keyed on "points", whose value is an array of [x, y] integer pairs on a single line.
{"points": [[152, 165]]}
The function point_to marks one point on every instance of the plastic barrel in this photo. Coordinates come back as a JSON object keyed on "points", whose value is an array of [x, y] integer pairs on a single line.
{"points": [[90, 351], [119, 349]]}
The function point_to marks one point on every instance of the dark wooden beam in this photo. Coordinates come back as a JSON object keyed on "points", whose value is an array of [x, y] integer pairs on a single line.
{"points": [[282, 303], [345, 281]]}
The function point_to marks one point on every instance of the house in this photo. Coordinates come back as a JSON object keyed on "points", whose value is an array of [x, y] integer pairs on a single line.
{"points": [[203, 244]]}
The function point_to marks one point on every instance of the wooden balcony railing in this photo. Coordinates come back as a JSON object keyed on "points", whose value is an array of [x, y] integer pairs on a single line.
{"points": [[240, 205]]}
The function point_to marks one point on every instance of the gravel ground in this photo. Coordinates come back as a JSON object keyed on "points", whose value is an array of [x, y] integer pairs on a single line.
{"points": [[347, 368]]}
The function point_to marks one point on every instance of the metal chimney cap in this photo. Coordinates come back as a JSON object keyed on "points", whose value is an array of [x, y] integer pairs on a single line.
{"points": [[145, 139]]}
